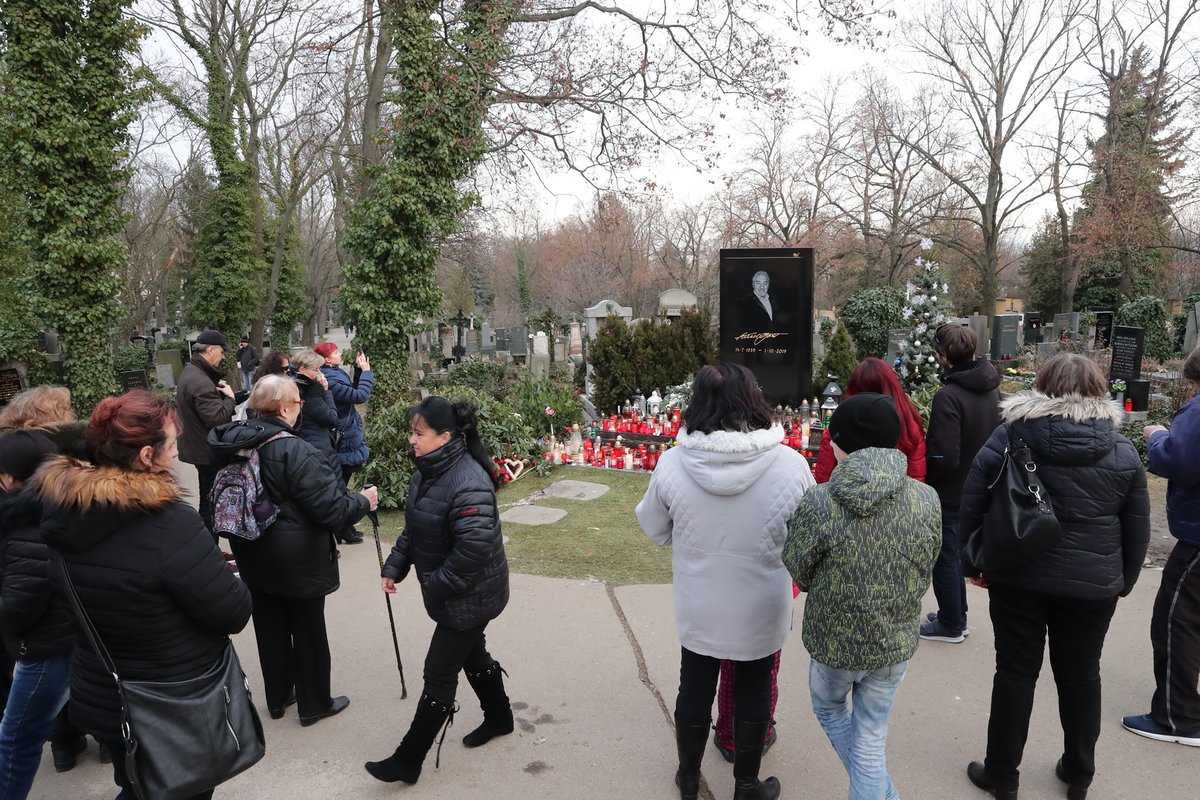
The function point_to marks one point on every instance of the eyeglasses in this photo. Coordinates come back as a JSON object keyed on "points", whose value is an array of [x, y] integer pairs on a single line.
{"points": [[298, 402]]}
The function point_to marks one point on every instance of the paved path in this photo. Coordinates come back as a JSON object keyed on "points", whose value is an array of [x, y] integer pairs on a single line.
{"points": [[593, 671]]}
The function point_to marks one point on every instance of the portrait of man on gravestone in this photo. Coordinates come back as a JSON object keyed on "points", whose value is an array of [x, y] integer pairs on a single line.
{"points": [[759, 309]]}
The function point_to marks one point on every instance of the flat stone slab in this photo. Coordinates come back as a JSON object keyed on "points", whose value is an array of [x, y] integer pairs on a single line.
{"points": [[576, 490], [533, 515]]}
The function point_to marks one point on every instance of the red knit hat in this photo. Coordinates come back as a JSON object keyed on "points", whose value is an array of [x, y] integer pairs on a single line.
{"points": [[325, 349]]}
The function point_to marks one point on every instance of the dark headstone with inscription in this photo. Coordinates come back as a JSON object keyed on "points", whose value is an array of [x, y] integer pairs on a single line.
{"points": [[1067, 323], [134, 379], [1033, 327], [1104, 326], [518, 343], [11, 384], [1128, 346], [766, 318], [1005, 335]]}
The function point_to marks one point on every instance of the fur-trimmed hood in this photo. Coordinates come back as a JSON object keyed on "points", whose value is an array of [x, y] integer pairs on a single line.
{"points": [[1032, 405], [1069, 430], [84, 504], [728, 462], [67, 483]]}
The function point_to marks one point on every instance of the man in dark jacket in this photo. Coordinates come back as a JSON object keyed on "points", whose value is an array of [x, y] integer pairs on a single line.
{"points": [[1175, 629], [965, 412], [203, 401], [248, 361]]}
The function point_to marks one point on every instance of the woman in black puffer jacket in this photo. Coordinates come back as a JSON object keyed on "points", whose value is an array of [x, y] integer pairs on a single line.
{"points": [[319, 422], [293, 566], [143, 563], [452, 539], [1097, 485]]}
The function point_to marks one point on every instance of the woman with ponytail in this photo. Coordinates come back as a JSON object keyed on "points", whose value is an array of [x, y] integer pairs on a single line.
{"points": [[452, 539]]}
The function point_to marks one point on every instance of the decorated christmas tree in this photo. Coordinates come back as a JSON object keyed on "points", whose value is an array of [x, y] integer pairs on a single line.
{"points": [[928, 308]]}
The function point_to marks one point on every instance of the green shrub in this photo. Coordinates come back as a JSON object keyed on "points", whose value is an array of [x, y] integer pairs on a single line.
{"points": [[613, 369], [485, 376], [1150, 314], [176, 344], [534, 396], [869, 315], [130, 358], [840, 358]]}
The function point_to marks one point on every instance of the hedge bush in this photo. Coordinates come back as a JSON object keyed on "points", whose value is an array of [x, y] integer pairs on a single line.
{"points": [[1150, 314], [534, 396], [869, 315]]}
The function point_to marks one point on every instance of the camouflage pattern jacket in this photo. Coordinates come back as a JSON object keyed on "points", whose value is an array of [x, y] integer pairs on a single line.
{"points": [[863, 547]]}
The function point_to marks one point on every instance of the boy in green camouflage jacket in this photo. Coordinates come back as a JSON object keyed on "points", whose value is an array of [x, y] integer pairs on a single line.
{"points": [[863, 547]]}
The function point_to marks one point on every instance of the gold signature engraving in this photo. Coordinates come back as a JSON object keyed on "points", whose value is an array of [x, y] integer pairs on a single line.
{"points": [[758, 337]]}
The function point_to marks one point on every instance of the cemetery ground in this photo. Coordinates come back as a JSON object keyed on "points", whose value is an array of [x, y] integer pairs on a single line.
{"points": [[589, 643]]}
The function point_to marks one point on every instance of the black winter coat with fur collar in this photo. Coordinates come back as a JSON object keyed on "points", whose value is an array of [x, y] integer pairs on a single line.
{"points": [[148, 575], [1096, 484]]}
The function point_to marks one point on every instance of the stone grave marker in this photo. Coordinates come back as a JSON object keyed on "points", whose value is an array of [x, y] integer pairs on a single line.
{"points": [[1067, 322], [1005, 342], [978, 323], [1191, 337], [1033, 327], [11, 384], [596, 315], [575, 341], [518, 344], [172, 358], [487, 344], [1104, 326], [133, 379], [1128, 347], [539, 363], [1047, 349], [500, 336], [164, 375]]}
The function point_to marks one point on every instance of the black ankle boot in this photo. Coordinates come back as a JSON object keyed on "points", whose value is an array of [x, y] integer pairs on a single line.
{"points": [[405, 763], [979, 776], [1074, 790], [689, 741], [749, 742], [497, 713]]}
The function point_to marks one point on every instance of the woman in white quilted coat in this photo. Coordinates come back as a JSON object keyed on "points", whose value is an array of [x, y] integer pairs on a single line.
{"points": [[722, 499]]}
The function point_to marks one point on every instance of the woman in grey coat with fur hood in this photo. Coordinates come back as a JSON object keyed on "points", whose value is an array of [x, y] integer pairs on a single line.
{"points": [[722, 499], [1068, 593]]}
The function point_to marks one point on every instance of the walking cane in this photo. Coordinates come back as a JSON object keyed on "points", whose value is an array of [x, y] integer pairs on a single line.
{"points": [[388, 598]]}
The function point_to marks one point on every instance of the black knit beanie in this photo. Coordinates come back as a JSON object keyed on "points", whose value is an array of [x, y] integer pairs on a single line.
{"points": [[865, 420]]}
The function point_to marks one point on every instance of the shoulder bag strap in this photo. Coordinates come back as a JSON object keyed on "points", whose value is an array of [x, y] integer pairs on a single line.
{"points": [[1008, 446], [92, 634]]}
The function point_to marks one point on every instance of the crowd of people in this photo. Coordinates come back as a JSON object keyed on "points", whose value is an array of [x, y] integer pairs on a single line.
{"points": [[92, 507]]}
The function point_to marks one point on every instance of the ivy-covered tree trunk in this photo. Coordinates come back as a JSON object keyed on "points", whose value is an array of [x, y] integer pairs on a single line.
{"points": [[65, 107], [445, 70]]}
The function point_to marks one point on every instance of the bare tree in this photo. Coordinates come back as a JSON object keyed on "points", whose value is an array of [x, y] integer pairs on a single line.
{"points": [[997, 64]]}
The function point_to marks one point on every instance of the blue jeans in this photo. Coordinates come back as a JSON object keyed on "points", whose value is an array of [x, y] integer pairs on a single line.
{"points": [[39, 692], [948, 585], [859, 733]]}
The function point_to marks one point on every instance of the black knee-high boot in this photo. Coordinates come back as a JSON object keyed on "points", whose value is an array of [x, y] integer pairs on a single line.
{"points": [[497, 713], [405, 763], [690, 741], [749, 740]]}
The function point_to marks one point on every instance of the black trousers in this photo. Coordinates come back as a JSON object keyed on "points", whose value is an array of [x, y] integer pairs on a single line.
{"points": [[1175, 636], [117, 748], [1076, 629], [698, 687], [208, 475], [450, 652], [293, 650]]}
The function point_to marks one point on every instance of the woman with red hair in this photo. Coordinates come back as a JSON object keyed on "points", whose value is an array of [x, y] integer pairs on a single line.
{"points": [[875, 375]]}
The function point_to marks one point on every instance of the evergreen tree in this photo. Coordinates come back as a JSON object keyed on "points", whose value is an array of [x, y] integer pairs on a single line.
{"points": [[65, 110], [697, 322], [1149, 314], [869, 315], [840, 358], [1125, 219], [928, 308], [613, 371], [1042, 273]]}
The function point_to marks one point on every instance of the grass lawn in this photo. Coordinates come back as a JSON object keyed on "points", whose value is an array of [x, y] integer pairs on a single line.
{"points": [[599, 538]]}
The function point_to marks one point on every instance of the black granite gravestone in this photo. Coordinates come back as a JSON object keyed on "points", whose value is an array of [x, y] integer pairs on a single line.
{"points": [[134, 379], [1104, 326], [1128, 346], [1004, 336], [10, 385]]}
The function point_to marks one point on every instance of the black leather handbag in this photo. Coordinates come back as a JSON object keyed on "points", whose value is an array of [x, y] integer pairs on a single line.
{"points": [[1019, 524], [185, 737]]}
